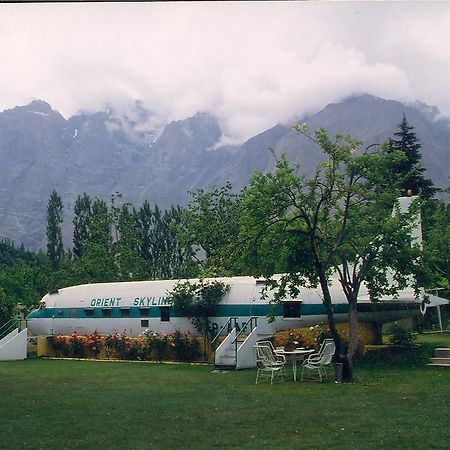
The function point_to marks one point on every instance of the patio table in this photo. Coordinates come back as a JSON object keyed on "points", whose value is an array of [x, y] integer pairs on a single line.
{"points": [[294, 356]]}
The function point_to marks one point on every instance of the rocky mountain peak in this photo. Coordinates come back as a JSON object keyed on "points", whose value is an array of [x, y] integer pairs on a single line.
{"points": [[39, 106]]}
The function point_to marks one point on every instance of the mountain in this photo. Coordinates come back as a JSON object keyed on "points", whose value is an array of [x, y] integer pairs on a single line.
{"points": [[106, 152], [369, 119]]}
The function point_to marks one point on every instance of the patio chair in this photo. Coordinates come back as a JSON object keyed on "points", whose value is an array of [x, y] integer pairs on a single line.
{"points": [[316, 363], [268, 364], [278, 355], [318, 354]]}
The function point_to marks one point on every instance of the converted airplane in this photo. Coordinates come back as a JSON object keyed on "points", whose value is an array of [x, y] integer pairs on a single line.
{"points": [[133, 307]]}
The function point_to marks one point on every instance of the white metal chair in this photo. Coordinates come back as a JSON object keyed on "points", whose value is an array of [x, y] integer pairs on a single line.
{"points": [[268, 364], [318, 362], [278, 355]]}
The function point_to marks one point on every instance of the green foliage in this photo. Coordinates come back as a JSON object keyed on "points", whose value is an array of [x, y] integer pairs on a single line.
{"points": [[163, 253], [401, 335], [212, 225], [7, 307], [12, 256], [410, 169], [198, 301], [396, 355], [82, 216], [437, 242], [22, 288], [55, 249], [337, 221]]}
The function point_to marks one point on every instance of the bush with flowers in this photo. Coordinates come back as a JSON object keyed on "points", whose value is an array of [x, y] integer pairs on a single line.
{"points": [[93, 343], [185, 346], [179, 346], [313, 336], [60, 345], [117, 345], [76, 344]]}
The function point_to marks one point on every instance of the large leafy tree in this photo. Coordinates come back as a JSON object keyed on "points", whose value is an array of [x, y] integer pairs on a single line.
{"points": [[55, 248], [410, 169], [337, 222], [437, 243], [21, 288], [212, 227]]}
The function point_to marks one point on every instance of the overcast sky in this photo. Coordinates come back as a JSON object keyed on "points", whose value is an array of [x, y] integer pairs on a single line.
{"points": [[252, 64]]}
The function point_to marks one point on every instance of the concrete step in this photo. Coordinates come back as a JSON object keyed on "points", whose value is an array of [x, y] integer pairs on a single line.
{"points": [[442, 352], [440, 361], [227, 360], [221, 367]]}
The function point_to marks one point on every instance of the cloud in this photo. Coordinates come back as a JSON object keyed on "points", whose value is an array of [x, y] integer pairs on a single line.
{"points": [[252, 64]]}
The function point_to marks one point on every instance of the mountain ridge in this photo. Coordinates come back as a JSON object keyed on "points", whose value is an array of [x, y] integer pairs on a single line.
{"points": [[103, 152]]}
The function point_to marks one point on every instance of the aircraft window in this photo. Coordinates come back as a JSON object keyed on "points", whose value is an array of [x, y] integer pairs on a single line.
{"points": [[89, 312], [292, 309], [144, 323], [164, 313], [106, 312], [144, 312], [125, 312]]}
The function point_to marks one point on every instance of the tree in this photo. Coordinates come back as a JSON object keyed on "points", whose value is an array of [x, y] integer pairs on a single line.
{"points": [[437, 243], [128, 257], [166, 254], [410, 169], [20, 286], [97, 263], [198, 301], [338, 221], [55, 249], [82, 216], [212, 225]]}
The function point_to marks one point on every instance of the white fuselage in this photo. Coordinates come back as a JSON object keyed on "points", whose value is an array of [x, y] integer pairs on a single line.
{"points": [[133, 307]]}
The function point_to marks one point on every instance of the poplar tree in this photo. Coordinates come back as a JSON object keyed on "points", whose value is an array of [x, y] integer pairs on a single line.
{"points": [[82, 216], [55, 249]]}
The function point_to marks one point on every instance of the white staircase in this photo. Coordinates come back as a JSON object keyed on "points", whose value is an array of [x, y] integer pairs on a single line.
{"points": [[14, 345], [237, 350]]}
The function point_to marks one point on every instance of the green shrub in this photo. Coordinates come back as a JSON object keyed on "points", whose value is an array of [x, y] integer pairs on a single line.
{"points": [[401, 336]]}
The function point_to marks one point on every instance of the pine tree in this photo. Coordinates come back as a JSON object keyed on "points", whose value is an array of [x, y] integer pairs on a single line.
{"points": [[410, 169], [55, 249]]}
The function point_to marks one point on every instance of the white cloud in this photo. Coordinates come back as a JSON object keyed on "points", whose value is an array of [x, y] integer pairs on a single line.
{"points": [[250, 63]]}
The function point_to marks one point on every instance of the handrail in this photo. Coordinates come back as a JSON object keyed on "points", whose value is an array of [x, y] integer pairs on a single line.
{"points": [[244, 327], [227, 323], [249, 321], [7, 327]]}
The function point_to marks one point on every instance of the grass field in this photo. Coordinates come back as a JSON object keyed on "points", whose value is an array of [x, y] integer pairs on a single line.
{"points": [[51, 404]]}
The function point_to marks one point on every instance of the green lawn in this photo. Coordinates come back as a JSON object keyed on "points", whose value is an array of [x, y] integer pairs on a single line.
{"points": [[50, 404]]}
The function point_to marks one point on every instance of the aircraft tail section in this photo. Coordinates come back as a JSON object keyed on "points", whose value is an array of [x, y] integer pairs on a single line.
{"points": [[434, 300]]}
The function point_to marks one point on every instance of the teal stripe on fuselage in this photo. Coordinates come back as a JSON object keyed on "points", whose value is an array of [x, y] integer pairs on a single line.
{"points": [[243, 310]]}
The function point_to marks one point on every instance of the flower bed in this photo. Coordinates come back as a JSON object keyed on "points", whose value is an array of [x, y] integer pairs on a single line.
{"points": [[150, 346]]}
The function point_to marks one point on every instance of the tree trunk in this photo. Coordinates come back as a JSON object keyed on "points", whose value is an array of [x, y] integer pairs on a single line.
{"points": [[354, 344], [339, 356]]}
